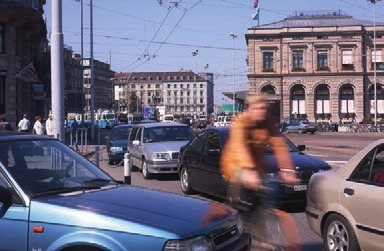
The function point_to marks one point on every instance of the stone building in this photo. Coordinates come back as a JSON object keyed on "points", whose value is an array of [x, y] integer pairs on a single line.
{"points": [[181, 93], [319, 66], [22, 41]]}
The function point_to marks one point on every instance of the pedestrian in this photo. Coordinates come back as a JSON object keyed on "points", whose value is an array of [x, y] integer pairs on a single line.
{"points": [[4, 124], [24, 124], [38, 126], [49, 126]]}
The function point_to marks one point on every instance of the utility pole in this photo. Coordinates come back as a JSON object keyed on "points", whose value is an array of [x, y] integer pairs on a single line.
{"points": [[234, 35], [57, 70]]}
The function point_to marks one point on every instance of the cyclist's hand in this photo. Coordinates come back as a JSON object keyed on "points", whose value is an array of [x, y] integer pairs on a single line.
{"points": [[289, 177], [250, 179]]}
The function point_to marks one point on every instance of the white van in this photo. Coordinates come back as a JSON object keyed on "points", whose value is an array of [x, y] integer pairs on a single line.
{"points": [[223, 121], [168, 119]]}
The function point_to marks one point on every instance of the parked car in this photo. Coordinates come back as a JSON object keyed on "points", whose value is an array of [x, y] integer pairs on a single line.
{"points": [[301, 126], [117, 143], [344, 205], [51, 198], [154, 147], [199, 167], [200, 124], [168, 119]]}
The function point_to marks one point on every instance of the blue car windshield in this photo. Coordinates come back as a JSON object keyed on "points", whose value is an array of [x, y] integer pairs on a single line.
{"points": [[49, 166], [120, 132], [168, 133]]}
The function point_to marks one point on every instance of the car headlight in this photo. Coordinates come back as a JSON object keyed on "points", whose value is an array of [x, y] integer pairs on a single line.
{"points": [[116, 149], [165, 156], [199, 243]]}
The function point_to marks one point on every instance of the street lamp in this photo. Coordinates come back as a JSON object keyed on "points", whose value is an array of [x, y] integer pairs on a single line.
{"points": [[234, 35], [374, 52]]}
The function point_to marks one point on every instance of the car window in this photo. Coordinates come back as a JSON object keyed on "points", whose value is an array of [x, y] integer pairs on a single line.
{"points": [[120, 132], [213, 141], [198, 144], [371, 168], [133, 133], [138, 135], [168, 133], [48, 165]]}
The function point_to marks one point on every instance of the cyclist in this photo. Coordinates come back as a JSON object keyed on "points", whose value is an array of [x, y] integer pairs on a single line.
{"points": [[242, 159]]}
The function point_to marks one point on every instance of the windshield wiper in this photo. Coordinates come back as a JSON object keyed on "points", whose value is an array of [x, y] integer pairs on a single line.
{"points": [[58, 190], [97, 181]]}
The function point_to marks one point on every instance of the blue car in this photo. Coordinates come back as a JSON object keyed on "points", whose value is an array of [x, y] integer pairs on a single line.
{"points": [[117, 143], [51, 198]]}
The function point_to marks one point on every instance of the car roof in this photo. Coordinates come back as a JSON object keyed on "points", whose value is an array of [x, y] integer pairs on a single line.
{"points": [[6, 136], [160, 124]]}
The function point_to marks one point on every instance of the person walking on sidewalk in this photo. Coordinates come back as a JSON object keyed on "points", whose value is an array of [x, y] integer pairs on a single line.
{"points": [[24, 124], [49, 126], [38, 126]]}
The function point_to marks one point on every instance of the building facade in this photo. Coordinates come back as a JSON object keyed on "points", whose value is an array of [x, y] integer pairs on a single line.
{"points": [[22, 42], [103, 85], [180, 93], [319, 66]]}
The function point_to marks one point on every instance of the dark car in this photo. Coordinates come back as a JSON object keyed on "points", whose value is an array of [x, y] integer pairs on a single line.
{"points": [[199, 167], [200, 124], [117, 143], [52, 198]]}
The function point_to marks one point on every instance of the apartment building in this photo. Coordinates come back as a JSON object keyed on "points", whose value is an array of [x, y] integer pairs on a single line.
{"points": [[319, 66], [181, 93], [103, 78]]}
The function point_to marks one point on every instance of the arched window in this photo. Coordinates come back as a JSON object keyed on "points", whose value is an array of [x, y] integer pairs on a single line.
{"points": [[268, 89], [322, 101], [379, 100], [298, 102], [347, 101]]}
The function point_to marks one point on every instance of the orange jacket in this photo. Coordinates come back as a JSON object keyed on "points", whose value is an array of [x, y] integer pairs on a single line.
{"points": [[246, 145]]}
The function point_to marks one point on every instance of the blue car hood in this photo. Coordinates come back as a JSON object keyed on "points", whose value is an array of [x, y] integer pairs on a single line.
{"points": [[130, 209], [300, 161], [119, 142]]}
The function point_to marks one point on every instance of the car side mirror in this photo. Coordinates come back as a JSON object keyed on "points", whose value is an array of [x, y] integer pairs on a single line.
{"points": [[301, 147]]}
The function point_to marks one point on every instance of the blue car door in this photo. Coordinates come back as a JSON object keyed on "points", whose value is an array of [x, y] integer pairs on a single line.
{"points": [[13, 225]]}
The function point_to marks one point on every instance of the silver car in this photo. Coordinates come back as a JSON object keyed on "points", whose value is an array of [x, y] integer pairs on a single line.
{"points": [[344, 206], [301, 126], [154, 148]]}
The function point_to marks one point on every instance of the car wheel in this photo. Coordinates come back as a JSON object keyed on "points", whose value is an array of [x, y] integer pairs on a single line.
{"points": [[111, 162], [185, 183], [144, 168], [339, 235]]}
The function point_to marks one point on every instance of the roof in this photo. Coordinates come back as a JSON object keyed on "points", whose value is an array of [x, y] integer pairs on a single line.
{"points": [[318, 19], [160, 124]]}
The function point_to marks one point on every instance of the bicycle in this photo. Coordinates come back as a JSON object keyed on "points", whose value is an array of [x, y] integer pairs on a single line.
{"points": [[271, 228]]}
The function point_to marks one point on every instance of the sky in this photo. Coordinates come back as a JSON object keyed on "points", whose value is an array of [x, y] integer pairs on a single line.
{"points": [[184, 35]]}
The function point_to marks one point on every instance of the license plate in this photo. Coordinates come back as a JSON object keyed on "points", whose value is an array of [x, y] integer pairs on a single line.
{"points": [[300, 187]]}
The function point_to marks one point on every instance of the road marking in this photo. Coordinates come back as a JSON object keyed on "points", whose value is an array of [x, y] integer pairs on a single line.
{"points": [[336, 161], [317, 155]]}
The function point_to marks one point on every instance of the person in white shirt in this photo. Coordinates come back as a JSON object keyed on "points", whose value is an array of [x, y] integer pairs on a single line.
{"points": [[24, 124], [49, 126], [38, 127]]}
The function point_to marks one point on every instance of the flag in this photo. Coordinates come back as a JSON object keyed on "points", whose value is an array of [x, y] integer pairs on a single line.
{"points": [[255, 3], [255, 16], [28, 74]]}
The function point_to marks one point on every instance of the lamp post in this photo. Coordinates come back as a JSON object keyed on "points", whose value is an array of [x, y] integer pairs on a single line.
{"points": [[234, 35], [374, 59]]}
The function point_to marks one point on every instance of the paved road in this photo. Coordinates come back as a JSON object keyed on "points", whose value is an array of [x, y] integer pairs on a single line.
{"points": [[332, 147]]}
